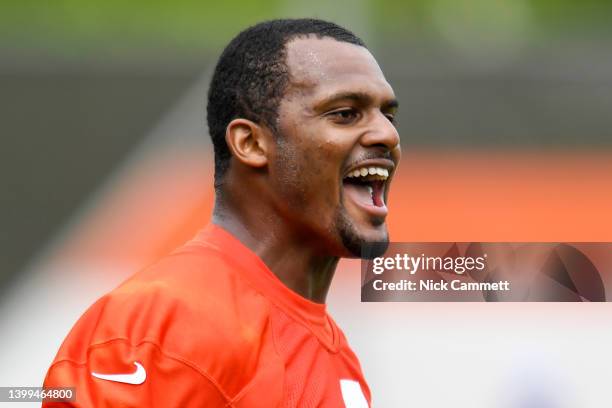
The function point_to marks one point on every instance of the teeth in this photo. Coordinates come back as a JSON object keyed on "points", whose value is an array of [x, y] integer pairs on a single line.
{"points": [[370, 189], [379, 172]]}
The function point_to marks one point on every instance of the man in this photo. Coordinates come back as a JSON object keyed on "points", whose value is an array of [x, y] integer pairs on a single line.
{"points": [[301, 119]]}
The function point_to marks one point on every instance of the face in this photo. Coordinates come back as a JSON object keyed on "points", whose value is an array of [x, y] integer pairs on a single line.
{"points": [[338, 147]]}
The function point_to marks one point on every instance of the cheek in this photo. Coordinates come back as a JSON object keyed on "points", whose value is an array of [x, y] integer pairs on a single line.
{"points": [[310, 176]]}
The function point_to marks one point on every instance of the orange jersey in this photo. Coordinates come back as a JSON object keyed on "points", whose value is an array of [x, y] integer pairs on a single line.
{"points": [[208, 326]]}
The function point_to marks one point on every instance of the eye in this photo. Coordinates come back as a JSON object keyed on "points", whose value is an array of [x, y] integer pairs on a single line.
{"points": [[344, 116], [390, 114], [391, 117]]}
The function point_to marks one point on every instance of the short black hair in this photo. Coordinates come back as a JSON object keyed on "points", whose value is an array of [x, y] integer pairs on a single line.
{"points": [[251, 77]]}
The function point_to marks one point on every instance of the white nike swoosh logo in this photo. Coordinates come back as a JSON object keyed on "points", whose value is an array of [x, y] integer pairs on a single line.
{"points": [[137, 377]]}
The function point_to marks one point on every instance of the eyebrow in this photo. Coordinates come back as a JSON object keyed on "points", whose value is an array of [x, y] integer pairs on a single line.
{"points": [[358, 97]]}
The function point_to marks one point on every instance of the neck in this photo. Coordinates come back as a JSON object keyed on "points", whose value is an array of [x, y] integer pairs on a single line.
{"points": [[286, 253]]}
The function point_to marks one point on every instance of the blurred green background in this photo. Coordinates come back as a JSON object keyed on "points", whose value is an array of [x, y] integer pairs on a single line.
{"points": [[73, 27]]}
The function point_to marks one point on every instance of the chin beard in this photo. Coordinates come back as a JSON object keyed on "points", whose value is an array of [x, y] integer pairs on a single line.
{"points": [[355, 243]]}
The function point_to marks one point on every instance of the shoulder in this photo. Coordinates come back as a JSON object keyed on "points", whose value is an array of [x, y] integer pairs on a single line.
{"points": [[191, 306]]}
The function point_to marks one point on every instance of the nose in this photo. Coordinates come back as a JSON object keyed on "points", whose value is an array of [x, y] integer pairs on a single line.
{"points": [[381, 132]]}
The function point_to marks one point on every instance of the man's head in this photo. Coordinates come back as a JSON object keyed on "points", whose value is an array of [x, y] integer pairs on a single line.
{"points": [[300, 112]]}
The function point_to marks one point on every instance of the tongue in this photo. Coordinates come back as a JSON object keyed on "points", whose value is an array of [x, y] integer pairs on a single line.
{"points": [[359, 193], [377, 193]]}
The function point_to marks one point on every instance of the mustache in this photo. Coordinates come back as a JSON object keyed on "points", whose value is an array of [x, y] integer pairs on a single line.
{"points": [[371, 155]]}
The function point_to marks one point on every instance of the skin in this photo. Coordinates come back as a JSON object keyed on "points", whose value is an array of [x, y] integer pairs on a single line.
{"points": [[283, 194]]}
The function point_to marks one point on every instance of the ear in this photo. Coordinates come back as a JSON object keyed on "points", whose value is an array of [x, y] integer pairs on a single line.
{"points": [[248, 142]]}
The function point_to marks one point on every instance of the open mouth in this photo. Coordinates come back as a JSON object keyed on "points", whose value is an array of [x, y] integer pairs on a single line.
{"points": [[366, 187]]}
